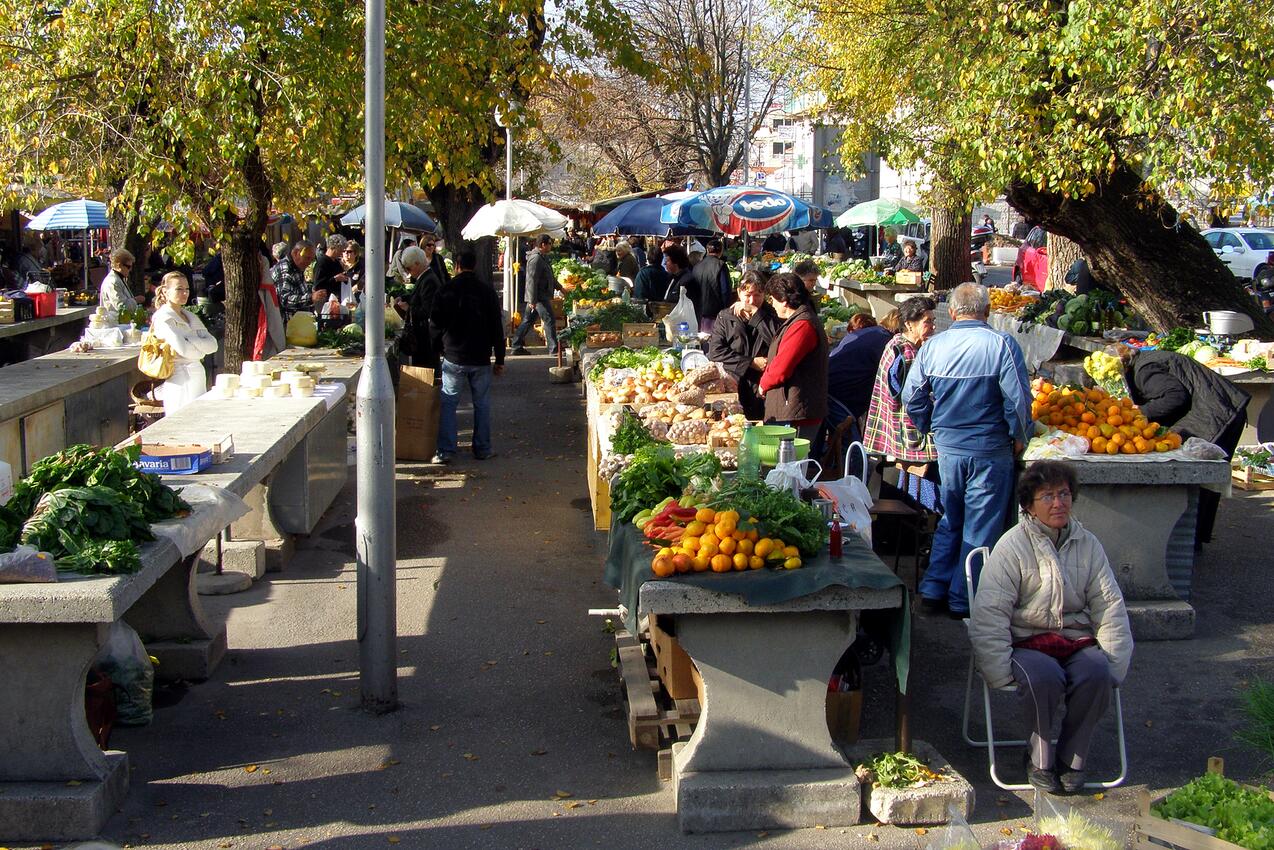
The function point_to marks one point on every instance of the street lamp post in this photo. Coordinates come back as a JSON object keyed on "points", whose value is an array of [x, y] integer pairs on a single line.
{"points": [[504, 122]]}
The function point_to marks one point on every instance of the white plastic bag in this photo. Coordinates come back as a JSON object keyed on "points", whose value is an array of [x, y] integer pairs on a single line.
{"points": [[852, 501], [125, 661], [791, 476], [1196, 448], [682, 311]]}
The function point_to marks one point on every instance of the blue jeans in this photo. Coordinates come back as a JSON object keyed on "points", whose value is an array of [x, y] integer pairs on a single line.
{"points": [[547, 325], [454, 379], [976, 493]]}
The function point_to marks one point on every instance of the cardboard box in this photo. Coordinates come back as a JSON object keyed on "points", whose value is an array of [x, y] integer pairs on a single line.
{"points": [[640, 334], [174, 460], [419, 404], [676, 670], [909, 278]]}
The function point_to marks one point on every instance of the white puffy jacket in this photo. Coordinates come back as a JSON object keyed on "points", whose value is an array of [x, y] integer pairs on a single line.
{"points": [[1029, 586]]}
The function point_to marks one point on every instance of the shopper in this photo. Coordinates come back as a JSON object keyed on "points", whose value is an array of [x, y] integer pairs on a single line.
{"points": [[1048, 615], [295, 294], [852, 367], [115, 294], [968, 386], [425, 283], [710, 275], [327, 266], [540, 286], [795, 378], [467, 329], [187, 337]]}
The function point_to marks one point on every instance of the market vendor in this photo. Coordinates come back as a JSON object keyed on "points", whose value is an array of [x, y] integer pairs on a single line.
{"points": [[1176, 391], [741, 337], [187, 337], [115, 294], [795, 378], [1048, 615], [909, 261]]}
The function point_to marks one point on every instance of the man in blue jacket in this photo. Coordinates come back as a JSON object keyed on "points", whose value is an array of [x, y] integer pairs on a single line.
{"points": [[969, 387]]}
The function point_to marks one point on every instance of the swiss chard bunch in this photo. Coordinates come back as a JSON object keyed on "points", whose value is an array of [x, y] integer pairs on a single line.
{"points": [[71, 524], [656, 473], [85, 466]]}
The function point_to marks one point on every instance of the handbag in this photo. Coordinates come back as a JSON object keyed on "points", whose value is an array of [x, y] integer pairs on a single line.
{"points": [[156, 358]]}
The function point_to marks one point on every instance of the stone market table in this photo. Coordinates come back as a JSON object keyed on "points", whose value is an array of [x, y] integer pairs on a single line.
{"points": [[24, 340], [876, 297]]}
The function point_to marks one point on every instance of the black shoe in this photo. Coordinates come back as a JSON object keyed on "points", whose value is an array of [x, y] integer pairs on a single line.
{"points": [[1040, 778], [933, 607], [485, 456], [1072, 780], [441, 459], [520, 351]]}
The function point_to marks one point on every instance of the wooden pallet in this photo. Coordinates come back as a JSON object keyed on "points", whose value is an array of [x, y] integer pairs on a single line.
{"points": [[1247, 478], [653, 717]]}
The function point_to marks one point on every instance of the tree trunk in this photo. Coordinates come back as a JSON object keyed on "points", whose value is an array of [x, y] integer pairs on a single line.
{"points": [[1062, 254], [126, 233], [454, 206], [949, 240], [241, 259], [1169, 274]]}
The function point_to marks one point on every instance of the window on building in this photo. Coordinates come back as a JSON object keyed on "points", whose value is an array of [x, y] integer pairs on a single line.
{"points": [[777, 149]]}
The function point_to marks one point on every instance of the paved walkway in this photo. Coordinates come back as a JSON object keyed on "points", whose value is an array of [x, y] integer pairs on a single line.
{"points": [[509, 703]]}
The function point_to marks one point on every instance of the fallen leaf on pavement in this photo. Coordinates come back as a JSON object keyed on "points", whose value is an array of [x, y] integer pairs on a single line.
{"points": [[562, 795], [920, 830], [574, 804], [1099, 796], [538, 752], [470, 757], [873, 837], [394, 839], [1006, 831], [252, 768]]}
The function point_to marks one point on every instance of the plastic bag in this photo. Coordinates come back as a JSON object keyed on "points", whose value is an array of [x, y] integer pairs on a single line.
{"points": [[302, 330], [1075, 830], [853, 502], [791, 476], [124, 660], [1199, 449], [956, 835], [26, 565], [682, 311]]}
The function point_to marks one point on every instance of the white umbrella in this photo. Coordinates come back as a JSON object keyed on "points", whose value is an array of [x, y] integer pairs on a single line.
{"points": [[513, 218]]}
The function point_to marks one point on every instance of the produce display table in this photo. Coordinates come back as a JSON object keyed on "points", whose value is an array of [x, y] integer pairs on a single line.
{"points": [[61, 399], [1144, 512], [876, 297], [23, 340], [765, 644]]}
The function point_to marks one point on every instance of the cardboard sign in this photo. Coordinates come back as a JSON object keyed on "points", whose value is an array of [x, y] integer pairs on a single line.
{"points": [[174, 460], [418, 407]]}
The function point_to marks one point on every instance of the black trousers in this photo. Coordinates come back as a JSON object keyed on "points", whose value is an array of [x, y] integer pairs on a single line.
{"points": [[1210, 500]]}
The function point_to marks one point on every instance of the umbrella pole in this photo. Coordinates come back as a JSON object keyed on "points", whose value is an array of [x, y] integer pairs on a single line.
{"points": [[85, 253]]}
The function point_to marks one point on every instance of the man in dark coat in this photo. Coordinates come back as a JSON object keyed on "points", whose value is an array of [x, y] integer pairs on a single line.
{"points": [[705, 293], [467, 329], [327, 266], [540, 285], [740, 338], [420, 304]]}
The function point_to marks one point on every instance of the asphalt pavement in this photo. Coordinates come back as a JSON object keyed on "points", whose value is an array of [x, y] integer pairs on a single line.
{"points": [[511, 731]]}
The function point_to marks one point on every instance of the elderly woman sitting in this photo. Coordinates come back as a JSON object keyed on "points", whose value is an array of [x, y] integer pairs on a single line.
{"points": [[1049, 616], [908, 262]]}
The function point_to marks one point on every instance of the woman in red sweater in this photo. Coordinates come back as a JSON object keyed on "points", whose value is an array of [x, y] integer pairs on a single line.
{"points": [[795, 378]]}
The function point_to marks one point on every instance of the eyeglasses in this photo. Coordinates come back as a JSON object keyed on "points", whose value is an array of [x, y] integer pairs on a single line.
{"points": [[428, 244], [1050, 498]]}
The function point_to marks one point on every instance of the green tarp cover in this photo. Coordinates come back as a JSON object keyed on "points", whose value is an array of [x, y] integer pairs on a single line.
{"points": [[628, 565]]}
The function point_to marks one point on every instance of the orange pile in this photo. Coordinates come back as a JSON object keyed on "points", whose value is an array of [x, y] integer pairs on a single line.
{"points": [[1111, 425], [713, 541]]}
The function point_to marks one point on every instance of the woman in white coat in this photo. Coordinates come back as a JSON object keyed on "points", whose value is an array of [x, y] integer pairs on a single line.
{"points": [[188, 339], [115, 294]]}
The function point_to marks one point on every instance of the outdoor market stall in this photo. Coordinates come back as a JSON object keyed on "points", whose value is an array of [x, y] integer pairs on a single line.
{"points": [[23, 340]]}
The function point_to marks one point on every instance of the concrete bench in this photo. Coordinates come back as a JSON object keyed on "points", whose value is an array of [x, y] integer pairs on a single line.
{"points": [[761, 755]]}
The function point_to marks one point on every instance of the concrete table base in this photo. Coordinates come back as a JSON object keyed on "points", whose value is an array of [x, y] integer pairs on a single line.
{"points": [[730, 800], [56, 811], [169, 618]]}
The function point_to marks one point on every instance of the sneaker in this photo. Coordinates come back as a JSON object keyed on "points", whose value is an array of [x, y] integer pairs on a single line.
{"points": [[441, 459], [932, 607], [520, 351], [1040, 778], [484, 455], [1072, 780]]}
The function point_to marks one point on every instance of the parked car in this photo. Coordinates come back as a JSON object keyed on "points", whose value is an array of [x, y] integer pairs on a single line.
{"points": [[1247, 252], [1031, 265]]}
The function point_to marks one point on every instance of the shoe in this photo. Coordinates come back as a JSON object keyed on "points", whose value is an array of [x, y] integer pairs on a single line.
{"points": [[484, 456], [441, 459], [932, 607], [1040, 778], [520, 352], [1072, 780]]}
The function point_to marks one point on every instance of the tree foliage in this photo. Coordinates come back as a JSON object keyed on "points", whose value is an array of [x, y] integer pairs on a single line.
{"points": [[1084, 111]]}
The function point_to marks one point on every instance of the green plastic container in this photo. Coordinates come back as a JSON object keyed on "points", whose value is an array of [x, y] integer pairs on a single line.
{"points": [[769, 452]]}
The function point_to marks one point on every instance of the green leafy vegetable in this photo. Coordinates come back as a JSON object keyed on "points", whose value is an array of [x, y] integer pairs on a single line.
{"points": [[656, 473], [779, 513], [612, 317], [899, 770], [85, 466], [1257, 362], [1258, 707], [621, 357], [1238, 815], [1174, 339], [70, 523], [631, 434]]}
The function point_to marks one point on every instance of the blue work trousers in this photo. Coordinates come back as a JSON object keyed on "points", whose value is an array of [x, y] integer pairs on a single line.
{"points": [[454, 379]]}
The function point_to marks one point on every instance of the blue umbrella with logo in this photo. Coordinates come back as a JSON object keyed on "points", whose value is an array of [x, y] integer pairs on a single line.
{"points": [[736, 210], [640, 217]]}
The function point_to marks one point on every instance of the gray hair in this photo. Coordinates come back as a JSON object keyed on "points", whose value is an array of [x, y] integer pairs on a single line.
{"points": [[969, 299], [279, 250], [121, 256], [623, 247], [336, 242], [413, 255], [302, 245]]}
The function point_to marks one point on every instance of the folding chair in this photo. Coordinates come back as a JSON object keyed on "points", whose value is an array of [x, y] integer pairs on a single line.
{"points": [[990, 742]]}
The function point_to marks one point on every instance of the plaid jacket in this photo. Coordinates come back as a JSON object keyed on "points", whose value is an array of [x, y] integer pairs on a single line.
{"points": [[889, 430]]}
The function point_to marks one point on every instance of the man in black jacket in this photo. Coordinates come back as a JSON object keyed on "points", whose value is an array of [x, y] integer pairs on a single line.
{"points": [[466, 327], [420, 304], [540, 284], [327, 267]]}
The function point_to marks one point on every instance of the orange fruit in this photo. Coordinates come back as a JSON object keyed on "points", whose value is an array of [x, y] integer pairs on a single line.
{"points": [[1128, 449], [701, 563], [1112, 448], [791, 552], [1088, 416], [1113, 410], [727, 546], [739, 534], [705, 515], [754, 535], [708, 539], [1141, 445], [663, 566], [763, 547], [722, 530], [1099, 445], [683, 563], [1150, 431], [1163, 446], [690, 543], [755, 563], [722, 563], [740, 561], [695, 528], [1115, 420], [745, 546], [1118, 440], [1055, 419]]}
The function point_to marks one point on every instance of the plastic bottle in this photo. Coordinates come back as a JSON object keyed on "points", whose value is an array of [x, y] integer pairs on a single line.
{"points": [[835, 543], [683, 335], [748, 455]]}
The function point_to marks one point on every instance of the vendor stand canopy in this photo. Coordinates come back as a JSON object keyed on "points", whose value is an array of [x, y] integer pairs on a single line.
{"points": [[514, 218], [881, 212], [739, 210], [81, 215], [399, 215], [641, 217]]}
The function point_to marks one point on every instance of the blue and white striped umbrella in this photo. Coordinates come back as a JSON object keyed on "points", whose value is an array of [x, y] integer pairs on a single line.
{"points": [[72, 215]]}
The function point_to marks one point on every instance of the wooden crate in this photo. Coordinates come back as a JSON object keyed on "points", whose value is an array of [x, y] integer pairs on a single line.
{"points": [[1151, 832], [599, 339], [653, 715], [1247, 478], [672, 663], [640, 334]]}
